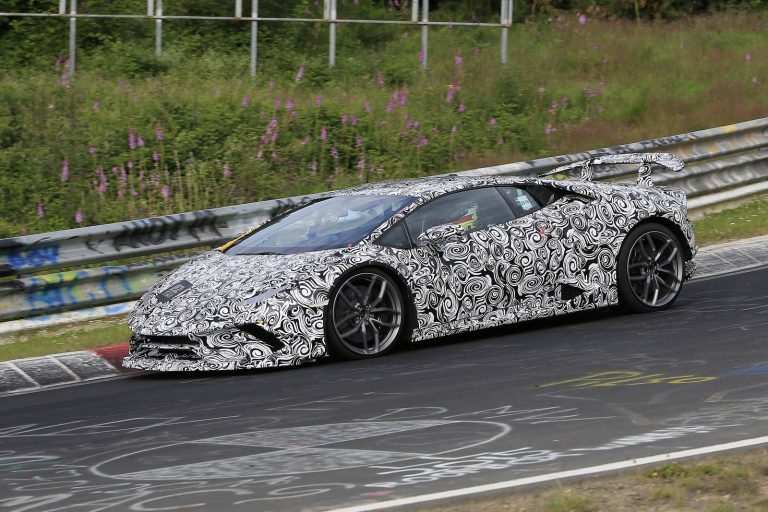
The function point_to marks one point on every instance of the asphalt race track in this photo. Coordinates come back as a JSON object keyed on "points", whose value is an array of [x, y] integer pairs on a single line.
{"points": [[489, 407]]}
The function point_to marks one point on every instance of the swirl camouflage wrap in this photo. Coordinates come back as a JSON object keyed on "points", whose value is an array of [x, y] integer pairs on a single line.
{"points": [[551, 248]]}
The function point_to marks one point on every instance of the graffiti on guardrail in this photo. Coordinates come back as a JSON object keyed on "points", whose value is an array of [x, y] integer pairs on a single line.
{"points": [[158, 230], [84, 287]]}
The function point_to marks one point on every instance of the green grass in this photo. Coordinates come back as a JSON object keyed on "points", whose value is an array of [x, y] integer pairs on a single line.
{"points": [[63, 338], [228, 139], [743, 221]]}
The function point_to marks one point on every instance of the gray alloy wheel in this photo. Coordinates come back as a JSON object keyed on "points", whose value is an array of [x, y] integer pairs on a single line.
{"points": [[650, 269], [366, 315]]}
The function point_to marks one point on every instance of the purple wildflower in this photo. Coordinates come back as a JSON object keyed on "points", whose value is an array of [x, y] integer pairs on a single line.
{"points": [[451, 93], [155, 156], [492, 122], [159, 135], [549, 129], [453, 130], [40, 210], [79, 216], [748, 57], [380, 78], [367, 106], [96, 105], [92, 150], [271, 85], [582, 19], [278, 103], [246, 100], [323, 133], [564, 102], [319, 100], [226, 171], [289, 104], [313, 166], [131, 139], [353, 120], [457, 60], [140, 141], [64, 171], [344, 118], [461, 108], [300, 73], [165, 191]]}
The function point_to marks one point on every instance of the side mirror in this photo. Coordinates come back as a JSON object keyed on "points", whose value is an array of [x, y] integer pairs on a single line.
{"points": [[438, 236]]}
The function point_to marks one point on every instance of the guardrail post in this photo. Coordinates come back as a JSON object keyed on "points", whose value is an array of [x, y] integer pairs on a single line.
{"points": [[424, 33], [159, 28], [254, 34], [72, 36]]}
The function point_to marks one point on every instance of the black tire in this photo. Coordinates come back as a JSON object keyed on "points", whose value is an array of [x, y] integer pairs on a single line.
{"points": [[367, 315], [650, 268]]}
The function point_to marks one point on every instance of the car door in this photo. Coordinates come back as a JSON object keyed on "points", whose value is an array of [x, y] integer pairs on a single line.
{"points": [[551, 267], [458, 282]]}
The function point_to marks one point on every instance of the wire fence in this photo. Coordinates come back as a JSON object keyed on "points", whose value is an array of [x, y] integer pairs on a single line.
{"points": [[154, 12]]}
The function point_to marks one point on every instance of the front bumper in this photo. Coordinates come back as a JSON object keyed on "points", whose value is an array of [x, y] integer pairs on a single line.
{"points": [[226, 349]]}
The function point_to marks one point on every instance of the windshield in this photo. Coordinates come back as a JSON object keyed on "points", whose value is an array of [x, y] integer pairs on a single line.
{"points": [[331, 223]]}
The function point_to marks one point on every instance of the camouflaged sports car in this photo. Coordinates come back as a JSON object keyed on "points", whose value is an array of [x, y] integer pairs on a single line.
{"points": [[361, 271]]}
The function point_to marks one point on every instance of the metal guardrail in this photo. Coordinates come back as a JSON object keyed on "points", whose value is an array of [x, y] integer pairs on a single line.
{"points": [[723, 164]]}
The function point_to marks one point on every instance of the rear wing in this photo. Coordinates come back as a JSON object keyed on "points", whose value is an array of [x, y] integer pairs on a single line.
{"points": [[645, 160]]}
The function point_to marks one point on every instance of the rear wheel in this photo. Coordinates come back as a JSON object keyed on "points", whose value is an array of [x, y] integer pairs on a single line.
{"points": [[650, 269], [366, 315]]}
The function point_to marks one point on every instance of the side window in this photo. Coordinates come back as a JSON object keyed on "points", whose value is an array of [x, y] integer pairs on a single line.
{"points": [[396, 237], [472, 209], [544, 195], [521, 201]]}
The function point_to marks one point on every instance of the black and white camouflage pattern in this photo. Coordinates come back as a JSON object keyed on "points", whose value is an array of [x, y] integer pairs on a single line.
{"points": [[503, 274]]}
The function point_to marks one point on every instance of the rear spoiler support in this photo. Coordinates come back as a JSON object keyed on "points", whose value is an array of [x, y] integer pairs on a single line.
{"points": [[645, 160]]}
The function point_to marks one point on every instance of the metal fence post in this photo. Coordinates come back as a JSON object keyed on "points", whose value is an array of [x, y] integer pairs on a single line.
{"points": [[72, 36], [238, 8], [424, 33], [150, 7], [504, 30], [415, 11], [62, 6], [254, 34], [159, 28], [330, 14]]}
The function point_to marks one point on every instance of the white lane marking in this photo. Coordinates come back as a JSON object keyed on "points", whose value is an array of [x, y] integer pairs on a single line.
{"points": [[613, 466]]}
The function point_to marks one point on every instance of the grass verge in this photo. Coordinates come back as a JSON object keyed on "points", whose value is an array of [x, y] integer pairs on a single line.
{"points": [[64, 338], [737, 481]]}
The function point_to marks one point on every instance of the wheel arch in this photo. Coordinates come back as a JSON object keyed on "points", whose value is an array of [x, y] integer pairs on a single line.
{"points": [[672, 226]]}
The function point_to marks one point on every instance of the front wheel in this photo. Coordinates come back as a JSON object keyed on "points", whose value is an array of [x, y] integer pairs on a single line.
{"points": [[366, 315], [649, 269]]}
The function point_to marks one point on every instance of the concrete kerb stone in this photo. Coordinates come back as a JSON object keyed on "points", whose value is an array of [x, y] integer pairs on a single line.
{"points": [[56, 370]]}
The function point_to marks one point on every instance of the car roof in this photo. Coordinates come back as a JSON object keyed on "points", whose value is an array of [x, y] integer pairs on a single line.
{"points": [[430, 186]]}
